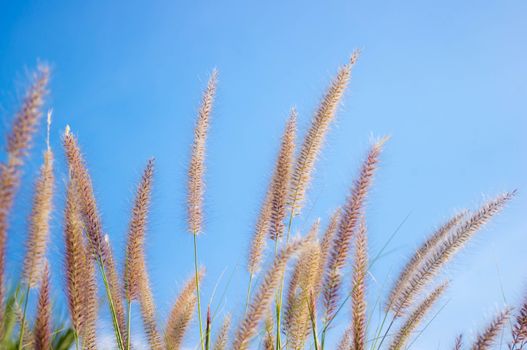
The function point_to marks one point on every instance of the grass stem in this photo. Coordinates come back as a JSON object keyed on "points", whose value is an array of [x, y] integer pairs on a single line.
{"points": [[197, 290], [118, 336]]}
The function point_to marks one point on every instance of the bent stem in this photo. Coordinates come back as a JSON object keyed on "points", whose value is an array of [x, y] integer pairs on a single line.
{"points": [[196, 273], [116, 329], [22, 326]]}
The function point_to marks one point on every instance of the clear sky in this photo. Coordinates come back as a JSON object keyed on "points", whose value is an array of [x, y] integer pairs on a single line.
{"points": [[447, 80]]}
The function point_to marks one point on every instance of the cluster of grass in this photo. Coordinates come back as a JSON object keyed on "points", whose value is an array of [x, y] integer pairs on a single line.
{"points": [[286, 309]]}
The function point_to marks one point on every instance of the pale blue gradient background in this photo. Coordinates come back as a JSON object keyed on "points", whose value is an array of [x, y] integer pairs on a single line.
{"points": [[447, 80]]}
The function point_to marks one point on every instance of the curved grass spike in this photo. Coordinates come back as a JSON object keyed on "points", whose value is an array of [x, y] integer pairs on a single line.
{"points": [[358, 289], [519, 330], [459, 342], [297, 320], [181, 315], [98, 246], [39, 222], [136, 281], [258, 243], [346, 340], [446, 250], [196, 184], [76, 264], [485, 340], [223, 335], [325, 246], [316, 135], [306, 159], [282, 178], [18, 144], [37, 240], [43, 320], [348, 224], [421, 254], [263, 298], [415, 318]]}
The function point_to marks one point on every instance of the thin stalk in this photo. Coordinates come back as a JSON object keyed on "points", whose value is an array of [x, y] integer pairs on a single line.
{"points": [[129, 324], [378, 335], [248, 299], [312, 317], [387, 330], [196, 273], [77, 342], [116, 329], [22, 326]]}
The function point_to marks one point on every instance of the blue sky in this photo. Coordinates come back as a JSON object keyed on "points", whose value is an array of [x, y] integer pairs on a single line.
{"points": [[446, 80]]}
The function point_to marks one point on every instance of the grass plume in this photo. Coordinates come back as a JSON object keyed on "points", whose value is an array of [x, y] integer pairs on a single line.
{"points": [[452, 244], [485, 340], [358, 292], [43, 320], [196, 170], [39, 222], [263, 297], [421, 254], [314, 140], [348, 224], [18, 144], [99, 247], [281, 179], [181, 315], [223, 335], [415, 318]]}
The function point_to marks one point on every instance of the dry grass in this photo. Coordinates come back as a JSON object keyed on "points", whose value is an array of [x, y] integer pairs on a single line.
{"points": [[316, 292]]}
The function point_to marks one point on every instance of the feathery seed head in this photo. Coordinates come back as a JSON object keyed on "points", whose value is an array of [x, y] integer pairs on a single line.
{"points": [[263, 298], [314, 139], [196, 170], [43, 321], [18, 144], [135, 259], [181, 314], [358, 292], [282, 177], [421, 254], [87, 204], [415, 318], [223, 335], [347, 227], [260, 234], [76, 263], [486, 339], [39, 222], [447, 249]]}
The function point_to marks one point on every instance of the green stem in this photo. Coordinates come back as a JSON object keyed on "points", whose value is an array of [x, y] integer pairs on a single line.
{"points": [[197, 291], [117, 331], [128, 340], [76, 336], [379, 331], [387, 330], [23, 324], [313, 316]]}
